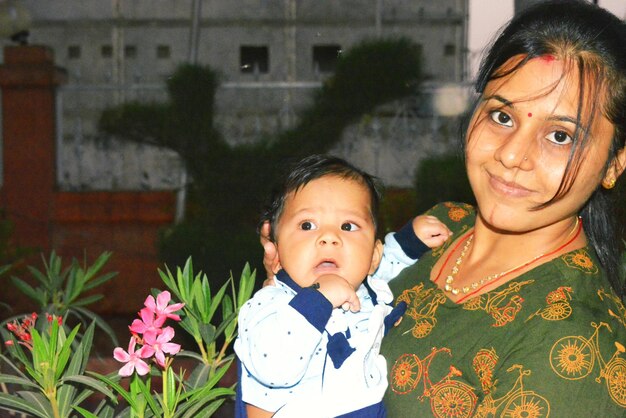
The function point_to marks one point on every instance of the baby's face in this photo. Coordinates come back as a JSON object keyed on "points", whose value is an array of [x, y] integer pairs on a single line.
{"points": [[326, 227]]}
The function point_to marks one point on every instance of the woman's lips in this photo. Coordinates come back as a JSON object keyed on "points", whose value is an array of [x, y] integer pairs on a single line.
{"points": [[508, 188]]}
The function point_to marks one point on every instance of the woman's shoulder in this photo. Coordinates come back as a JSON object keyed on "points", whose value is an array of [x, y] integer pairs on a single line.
{"points": [[456, 215]]}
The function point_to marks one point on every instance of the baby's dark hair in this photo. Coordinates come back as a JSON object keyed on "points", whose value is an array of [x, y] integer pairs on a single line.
{"points": [[311, 168]]}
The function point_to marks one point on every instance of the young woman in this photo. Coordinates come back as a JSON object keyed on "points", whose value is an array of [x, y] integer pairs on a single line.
{"points": [[521, 313]]}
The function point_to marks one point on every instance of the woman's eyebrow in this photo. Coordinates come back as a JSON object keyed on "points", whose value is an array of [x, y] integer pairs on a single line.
{"points": [[564, 119], [508, 103], [499, 98]]}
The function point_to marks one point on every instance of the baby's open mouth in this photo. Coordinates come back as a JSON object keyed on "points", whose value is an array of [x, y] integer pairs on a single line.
{"points": [[327, 264]]}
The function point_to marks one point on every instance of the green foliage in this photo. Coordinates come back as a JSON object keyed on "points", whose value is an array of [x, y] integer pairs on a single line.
{"points": [[50, 374], [61, 291], [369, 74], [397, 207], [185, 397], [231, 183], [440, 179], [46, 374], [194, 290]]}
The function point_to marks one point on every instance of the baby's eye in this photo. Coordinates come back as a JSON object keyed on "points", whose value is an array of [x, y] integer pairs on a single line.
{"points": [[559, 138], [308, 226], [349, 226], [501, 118]]}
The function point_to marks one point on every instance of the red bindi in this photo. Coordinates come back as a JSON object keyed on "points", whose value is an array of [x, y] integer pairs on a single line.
{"points": [[548, 58], [530, 115]]}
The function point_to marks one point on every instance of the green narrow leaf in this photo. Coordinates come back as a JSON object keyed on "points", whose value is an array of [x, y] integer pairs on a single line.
{"points": [[190, 354], [38, 401], [54, 340], [169, 281], [210, 383], [207, 411], [85, 413], [40, 350], [88, 300], [100, 323], [90, 382], [198, 376], [197, 297], [246, 285], [170, 402], [207, 332], [97, 265], [117, 388], [26, 289], [64, 352], [39, 276], [85, 348], [17, 351], [144, 388], [65, 398], [99, 281], [13, 403], [187, 280], [105, 410], [72, 285], [217, 300], [17, 380]]}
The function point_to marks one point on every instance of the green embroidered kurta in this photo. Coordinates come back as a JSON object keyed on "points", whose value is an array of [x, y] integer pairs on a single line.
{"points": [[548, 343]]}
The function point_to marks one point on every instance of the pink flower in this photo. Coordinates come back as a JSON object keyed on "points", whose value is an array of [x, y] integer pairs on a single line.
{"points": [[159, 345], [161, 308], [148, 324], [132, 358]]}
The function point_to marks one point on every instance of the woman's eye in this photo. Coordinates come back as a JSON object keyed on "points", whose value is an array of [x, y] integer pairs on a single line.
{"points": [[559, 138], [501, 118], [308, 226], [349, 226]]}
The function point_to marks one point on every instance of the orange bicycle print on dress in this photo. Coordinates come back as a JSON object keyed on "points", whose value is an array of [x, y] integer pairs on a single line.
{"points": [[580, 260], [484, 363], [558, 306], [619, 311], [573, 357], [456, 213], [421, 306], [501, 305], [517, 402], [449, 398]]}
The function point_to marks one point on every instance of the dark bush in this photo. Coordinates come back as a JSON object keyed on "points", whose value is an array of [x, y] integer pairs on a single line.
{"points": [[231, 183], [439, 179]]}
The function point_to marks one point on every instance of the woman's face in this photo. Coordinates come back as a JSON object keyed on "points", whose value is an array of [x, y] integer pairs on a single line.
{"points": [[519, 141]]}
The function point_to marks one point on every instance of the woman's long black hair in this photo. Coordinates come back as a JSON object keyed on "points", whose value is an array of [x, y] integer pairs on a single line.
{"points": [[593, 40]]}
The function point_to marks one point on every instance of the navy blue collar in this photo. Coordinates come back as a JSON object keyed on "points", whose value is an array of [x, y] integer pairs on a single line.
{"points": [[284, 277]]}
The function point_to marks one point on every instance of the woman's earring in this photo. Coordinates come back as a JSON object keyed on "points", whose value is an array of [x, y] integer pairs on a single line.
{"points": [[608, 184]]}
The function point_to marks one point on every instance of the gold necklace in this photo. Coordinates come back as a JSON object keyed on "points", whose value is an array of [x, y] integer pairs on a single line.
{"points": [[474, 286]]}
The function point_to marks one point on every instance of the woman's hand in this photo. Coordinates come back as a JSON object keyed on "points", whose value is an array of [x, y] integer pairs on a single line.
{"points": [[270, 255]]}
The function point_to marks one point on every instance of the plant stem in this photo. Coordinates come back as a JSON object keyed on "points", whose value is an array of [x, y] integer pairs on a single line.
{"points": [[52, 397], [165, 384], [203, 352], [220, 356]]}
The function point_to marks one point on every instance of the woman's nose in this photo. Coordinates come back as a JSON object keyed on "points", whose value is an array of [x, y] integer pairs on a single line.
{"points": [[516, 151]]}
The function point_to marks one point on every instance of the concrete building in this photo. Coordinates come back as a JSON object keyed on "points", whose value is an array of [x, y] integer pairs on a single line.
{"points": [[271, 54]]}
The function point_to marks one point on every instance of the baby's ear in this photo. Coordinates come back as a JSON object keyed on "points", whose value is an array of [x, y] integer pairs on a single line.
{"points": [[376, 256]]}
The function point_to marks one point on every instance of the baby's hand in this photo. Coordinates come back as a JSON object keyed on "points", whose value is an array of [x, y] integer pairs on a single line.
{"points": [[339, 292], [430, 230]]}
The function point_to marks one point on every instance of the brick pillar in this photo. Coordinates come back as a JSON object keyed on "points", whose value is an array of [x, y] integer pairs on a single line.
{"points": [[28, 80]]}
